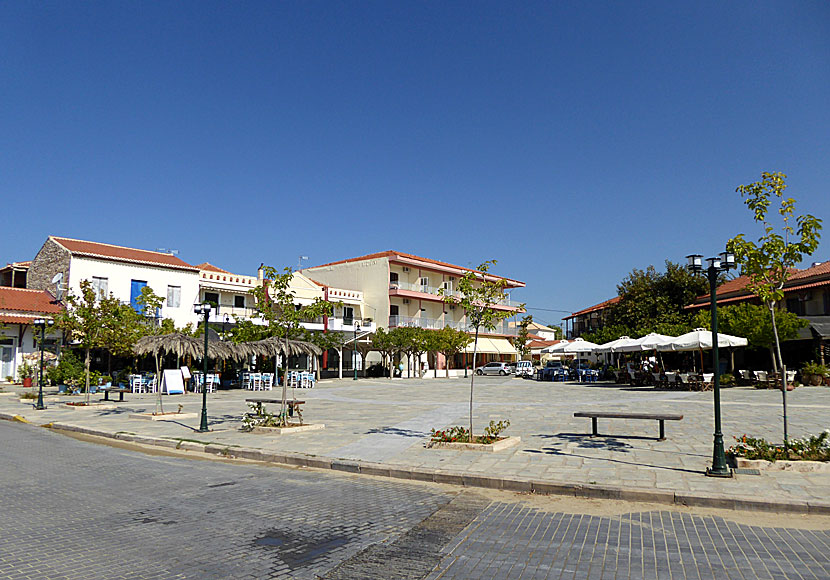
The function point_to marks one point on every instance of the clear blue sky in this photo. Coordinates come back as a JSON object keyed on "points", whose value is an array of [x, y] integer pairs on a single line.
{"points": [[572, 141]]}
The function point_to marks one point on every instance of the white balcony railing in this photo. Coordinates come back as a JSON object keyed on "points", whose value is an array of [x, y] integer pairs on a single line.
{"points": [[438, 324], [434, 290]]}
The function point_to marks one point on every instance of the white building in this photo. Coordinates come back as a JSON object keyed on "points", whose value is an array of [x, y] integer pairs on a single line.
{"points": [[19, 308], [62, 263], [401, 289]]}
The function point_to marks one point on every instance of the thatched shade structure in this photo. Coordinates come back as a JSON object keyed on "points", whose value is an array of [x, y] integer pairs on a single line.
{"points": [[183, 345]]}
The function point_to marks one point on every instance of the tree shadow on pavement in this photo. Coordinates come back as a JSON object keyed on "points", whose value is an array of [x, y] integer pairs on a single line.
{"points": [[398, 432], [584, 441]]}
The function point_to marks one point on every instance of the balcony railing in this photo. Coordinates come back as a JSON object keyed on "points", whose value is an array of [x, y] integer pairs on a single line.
{"points": [[435, 291], [438, 324]]}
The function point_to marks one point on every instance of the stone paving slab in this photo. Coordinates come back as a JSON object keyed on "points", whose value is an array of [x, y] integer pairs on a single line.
{"points": [[385, 424]]}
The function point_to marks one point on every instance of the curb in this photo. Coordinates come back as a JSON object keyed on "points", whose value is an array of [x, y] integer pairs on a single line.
{"points": [[462, 478]]}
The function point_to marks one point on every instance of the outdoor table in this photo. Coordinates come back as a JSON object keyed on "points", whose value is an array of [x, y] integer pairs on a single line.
{"points": [[291, 403]]}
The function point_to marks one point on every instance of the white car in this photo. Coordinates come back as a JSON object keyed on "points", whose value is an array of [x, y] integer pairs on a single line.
{"points": [[524, 368], [494, 368]]}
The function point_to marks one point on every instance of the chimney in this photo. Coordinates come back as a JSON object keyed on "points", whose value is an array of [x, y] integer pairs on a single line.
{"points": [[260, 273], [814, 264]]}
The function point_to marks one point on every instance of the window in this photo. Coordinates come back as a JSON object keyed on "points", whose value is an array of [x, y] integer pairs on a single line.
{"points": [[348, 315], [423, 283], [393, 279], [795, 306], [212, 298], [827, 301], [239, 302], [447, 287], [174, 296], [101, 286], [393, 310]]}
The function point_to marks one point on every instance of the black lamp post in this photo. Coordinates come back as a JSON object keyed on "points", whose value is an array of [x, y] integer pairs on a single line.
{"points": [[225, 320], [354, 349], [725, 261], [41, 323], [204, 309]]}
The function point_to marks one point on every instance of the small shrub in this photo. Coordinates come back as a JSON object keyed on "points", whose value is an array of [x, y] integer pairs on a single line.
{"points": [[459, 434], [259, 417], [811, 448], [30, 396], [813, 368], [9, 379]]}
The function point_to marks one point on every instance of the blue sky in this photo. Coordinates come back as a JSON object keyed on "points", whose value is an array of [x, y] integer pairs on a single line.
{"points": [[571, 141]]}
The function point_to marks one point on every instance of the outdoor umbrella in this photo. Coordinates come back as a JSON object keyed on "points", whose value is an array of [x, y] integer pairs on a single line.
{"points": [[700, 339], [651, 341], [556, 347], [181, 345], [614, 346], [578, 346], [274, 346]]}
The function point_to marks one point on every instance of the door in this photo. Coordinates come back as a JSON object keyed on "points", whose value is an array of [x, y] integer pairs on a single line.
{"points": [[135, 292], [6, 357]]}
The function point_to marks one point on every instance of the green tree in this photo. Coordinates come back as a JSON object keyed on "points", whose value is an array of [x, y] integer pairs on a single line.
{"points": [[276, 304], [450, 342], [478, 294], [521, 340], [92, 320], [754, 323], [384, 343], [781, 248], [414, 342]]}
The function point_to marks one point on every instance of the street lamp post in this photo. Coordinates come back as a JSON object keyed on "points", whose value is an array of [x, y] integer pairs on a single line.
{"points": [[725, 261], [354, 349], [41, 323], [204, 309], [225, 320]]}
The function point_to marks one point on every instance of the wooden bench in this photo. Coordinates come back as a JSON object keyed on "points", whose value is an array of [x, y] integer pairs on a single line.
{"points": [[662, 417], [293, 404], [108, 390]]}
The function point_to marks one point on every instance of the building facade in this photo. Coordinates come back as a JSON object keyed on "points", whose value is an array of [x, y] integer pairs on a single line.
{"points": [[19, 308]]}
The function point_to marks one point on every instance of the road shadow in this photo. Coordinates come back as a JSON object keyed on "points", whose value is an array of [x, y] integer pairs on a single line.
{"points": [[584, 441], [398, 432]]}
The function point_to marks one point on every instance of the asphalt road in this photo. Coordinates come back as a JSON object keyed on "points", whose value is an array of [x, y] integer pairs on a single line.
{"points": [[74, 509]]}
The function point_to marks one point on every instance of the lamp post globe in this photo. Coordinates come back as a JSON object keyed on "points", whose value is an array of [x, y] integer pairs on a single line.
{"points": [[721, 263]]}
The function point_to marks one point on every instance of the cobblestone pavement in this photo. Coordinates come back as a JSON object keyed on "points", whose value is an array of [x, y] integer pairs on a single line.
{"points": [[389, 421], [73, 509]]}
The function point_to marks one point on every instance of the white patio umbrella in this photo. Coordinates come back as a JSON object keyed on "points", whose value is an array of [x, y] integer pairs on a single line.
{"points": [[700, 339], [651, 341], [614, 345], [579, 346], [555, 347]]}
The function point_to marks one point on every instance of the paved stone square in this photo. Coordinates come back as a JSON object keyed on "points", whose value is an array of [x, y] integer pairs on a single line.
{"points": [[77, 510], [388, 421]]}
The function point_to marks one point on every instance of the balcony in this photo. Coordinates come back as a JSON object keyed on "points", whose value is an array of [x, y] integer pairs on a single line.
{"points": [[341, 324], [437, 324], [217, 313], [434, 293]]}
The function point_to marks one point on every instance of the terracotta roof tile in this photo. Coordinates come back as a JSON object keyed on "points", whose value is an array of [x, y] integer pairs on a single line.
{"points": [[211, 268], [823, 268], [28, 301], [594, 308], [122, 254], [394, 254]]}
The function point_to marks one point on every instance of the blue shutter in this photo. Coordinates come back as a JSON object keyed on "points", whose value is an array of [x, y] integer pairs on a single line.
{"points": [[135, 292]]}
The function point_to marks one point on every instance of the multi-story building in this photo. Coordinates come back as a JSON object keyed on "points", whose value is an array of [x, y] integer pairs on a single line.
{"points": [[62, 263], [402, 289], [14, 275], [588, 319], [19, 308]]}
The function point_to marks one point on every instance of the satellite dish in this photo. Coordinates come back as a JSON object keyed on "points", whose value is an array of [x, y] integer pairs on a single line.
{"points": [[56, 280]]}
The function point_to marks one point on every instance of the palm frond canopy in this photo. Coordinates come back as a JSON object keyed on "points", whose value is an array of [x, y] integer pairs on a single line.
{"points": [[183, 345], [273, 346]]}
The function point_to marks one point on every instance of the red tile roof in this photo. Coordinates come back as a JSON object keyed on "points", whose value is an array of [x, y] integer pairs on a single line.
{"points": [[822, 268], [392, 255], [595, 308], [122, 254], [22, 300], [211, 268]]}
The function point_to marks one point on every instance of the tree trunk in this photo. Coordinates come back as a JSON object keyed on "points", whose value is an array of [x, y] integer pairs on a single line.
{"points": [[783, 372], [86, 369], [159, 404], [472, 382]]}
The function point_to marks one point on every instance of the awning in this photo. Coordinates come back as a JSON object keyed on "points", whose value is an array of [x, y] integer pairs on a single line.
{"points": [[492, 346], [819, 327]]}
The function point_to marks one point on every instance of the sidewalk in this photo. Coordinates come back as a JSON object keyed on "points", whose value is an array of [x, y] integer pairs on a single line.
{"points": [[379, 427]]}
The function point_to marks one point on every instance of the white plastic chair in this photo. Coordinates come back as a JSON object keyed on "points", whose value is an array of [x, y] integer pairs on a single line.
{"points": [[267, 381], [212, 383], [136, 385], [246, 381], [150, 385]]}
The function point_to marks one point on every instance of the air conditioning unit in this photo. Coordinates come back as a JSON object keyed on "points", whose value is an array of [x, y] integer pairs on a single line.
{"points": [[405, 269], [406, 300], [452, 306]]}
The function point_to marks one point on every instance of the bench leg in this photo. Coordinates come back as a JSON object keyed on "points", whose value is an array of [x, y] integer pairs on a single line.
{"points": [[662, 430], [594, 426]]}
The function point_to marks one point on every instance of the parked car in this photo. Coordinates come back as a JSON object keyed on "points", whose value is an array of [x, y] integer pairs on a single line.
{"points": [[553, 367], [524, 368], [494, 368]]}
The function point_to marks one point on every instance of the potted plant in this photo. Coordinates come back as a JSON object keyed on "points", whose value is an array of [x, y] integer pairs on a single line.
{"points": [[813, 373], [27, 373]]}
